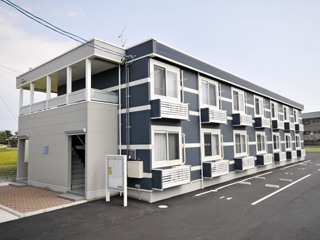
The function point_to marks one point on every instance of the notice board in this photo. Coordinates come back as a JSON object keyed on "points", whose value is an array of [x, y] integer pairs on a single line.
{"points": [[115, 172]]}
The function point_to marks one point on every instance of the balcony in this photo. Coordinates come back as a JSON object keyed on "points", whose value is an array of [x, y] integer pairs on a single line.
{"points": [[209, 115], [299, 127], [164, 109], [277, 124], [241, 119], [280, 157], [172, 177], [288, 126], [301, 153], [262, 122], [264, 160], [73, 97], [215, 169], [245, 163], [291, 155]]}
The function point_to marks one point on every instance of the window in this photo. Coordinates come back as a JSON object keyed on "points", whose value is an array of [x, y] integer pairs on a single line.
{"points": [[276, 142], [165, 81], [26, 150], [239, 101], [318, 131], [259, 107], [295, 116], [297, 141], [285, 113], [212, 144], [261, 143], [288, 141], [240, 142], [210, 94], [166, 146], [314, 131], [317, 120], [274, 110], [314, 121]]}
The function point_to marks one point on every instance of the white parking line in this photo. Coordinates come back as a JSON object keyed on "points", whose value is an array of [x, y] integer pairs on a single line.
{"points": [[270, 195]]}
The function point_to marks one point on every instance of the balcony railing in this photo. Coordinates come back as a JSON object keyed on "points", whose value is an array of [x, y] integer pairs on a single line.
{"points": [[241, 119], [164, 109], [265, 159], [215, 169], [262, 122], [209, 115], [245, 163], [299, 127], [277, 124], [280, 157], [288, 126], [73, 97]]}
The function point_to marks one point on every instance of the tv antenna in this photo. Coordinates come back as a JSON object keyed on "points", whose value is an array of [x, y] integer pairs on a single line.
{"points": [[121, 39]]}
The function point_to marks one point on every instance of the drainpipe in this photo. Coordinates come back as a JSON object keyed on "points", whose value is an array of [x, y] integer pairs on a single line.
{"points": [[127, 106], [183, 135], [119, 107], [201, 142]]}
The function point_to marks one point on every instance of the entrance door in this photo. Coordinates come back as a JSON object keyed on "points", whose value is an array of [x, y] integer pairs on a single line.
{"points": [[78, 163]]}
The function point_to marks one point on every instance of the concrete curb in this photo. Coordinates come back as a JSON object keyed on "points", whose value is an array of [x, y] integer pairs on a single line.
{"points": [[28, 214]]}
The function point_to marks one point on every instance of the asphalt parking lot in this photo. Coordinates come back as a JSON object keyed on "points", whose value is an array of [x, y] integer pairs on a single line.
{"points": [[235, 211]]}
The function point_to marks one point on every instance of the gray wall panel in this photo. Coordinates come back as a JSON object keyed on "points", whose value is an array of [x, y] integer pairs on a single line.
{"points": [[227, 131], [190, 79], [141, 49], [226, 90], [227, 106], [140, 127], [253, 150], [270, 148], [195, 175], [228, 152]]}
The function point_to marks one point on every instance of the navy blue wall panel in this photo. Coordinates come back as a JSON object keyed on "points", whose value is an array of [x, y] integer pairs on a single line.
{"points": [[226, 91], [139, 95], [140, 127], [269, 148], [166, 122], [253, 150], [202, 66], [195, 175], [283, 147], [269, 135], [141, 49], [227, 131], [192, 99], [139, 69], [227, 106], [190, 79], [191, 129], [193, 156], [252, 133], [145, 156], [232, 168], [145, 183], [250, 111], [228, 152], [210, 126]]}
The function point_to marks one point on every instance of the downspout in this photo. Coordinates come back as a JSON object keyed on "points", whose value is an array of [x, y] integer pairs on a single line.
{"points": [[127, 107], [201, 142], [183, 135], [119, 107]]}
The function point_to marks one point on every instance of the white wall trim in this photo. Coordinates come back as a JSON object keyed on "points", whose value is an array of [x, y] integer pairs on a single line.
{"points": [[137, 109], [190, 90], [226, 99], [193, 113], [226, 144], [195, 168], [131, 84], [192, 145], [137, 146], [147, 175]]}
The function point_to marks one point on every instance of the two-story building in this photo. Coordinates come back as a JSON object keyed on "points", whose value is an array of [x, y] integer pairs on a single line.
{"points": [[184, 123]]}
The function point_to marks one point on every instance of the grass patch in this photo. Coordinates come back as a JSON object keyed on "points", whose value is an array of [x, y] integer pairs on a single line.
{"points": [[8, 157], [312, 149]]}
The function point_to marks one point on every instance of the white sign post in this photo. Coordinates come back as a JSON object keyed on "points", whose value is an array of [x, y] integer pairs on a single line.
{"points": [[116, 176]]}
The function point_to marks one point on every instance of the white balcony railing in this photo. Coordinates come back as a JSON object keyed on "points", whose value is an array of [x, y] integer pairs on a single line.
{"points": [[165, 109], [241, 119], [217, 116], [283, 156], [277, 124], [303, 152], [294, 155], [219, 168], [267, 159], [247, 163], [73, 97], [39, 106], [77, 96], [262, 122]]}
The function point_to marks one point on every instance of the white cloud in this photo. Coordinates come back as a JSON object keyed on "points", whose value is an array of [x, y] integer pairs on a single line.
{"points": [[21, 50], [74, 11]]}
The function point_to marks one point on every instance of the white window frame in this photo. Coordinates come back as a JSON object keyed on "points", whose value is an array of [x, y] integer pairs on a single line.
{"points": [[285, 140], [212, 132], [262, 134], [209, 81], [242, 133], [152, 84], [299, 138], [279, 142], [285, 108], [295, 112], [244, 101], [261, 108], [165, 129], [276, 110]]}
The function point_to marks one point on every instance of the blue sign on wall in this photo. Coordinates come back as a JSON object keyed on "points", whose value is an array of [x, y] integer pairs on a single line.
{"points": [[45, 149]]}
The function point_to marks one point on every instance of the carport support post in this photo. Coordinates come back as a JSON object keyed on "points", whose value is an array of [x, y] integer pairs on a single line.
{"points": [[48, 91], [69, 83], [88, 79], [31, 96], [20, 98]]}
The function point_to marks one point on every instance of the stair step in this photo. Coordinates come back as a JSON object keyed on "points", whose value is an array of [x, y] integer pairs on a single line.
{"points": [[77, 166], [76, 161], [77, 181], [71, 197], [79, 191], [77, 176], [77, 171], [77, 186], [79, 147], [18, 184]]}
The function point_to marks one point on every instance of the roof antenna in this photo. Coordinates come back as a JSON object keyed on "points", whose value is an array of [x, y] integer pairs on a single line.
{"points": [[120, 36]]}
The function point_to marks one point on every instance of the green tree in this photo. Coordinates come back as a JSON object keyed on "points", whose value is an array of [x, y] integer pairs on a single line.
{"points": [[9, 134], [3, 137]]}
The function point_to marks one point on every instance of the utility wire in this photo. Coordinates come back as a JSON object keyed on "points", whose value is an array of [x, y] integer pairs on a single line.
{"points": [[65, 33], [11, 69], [8, 72], [8, 108]]}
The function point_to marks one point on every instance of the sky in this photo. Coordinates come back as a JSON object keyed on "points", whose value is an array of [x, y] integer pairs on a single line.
{"points": [[274, 43]]}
